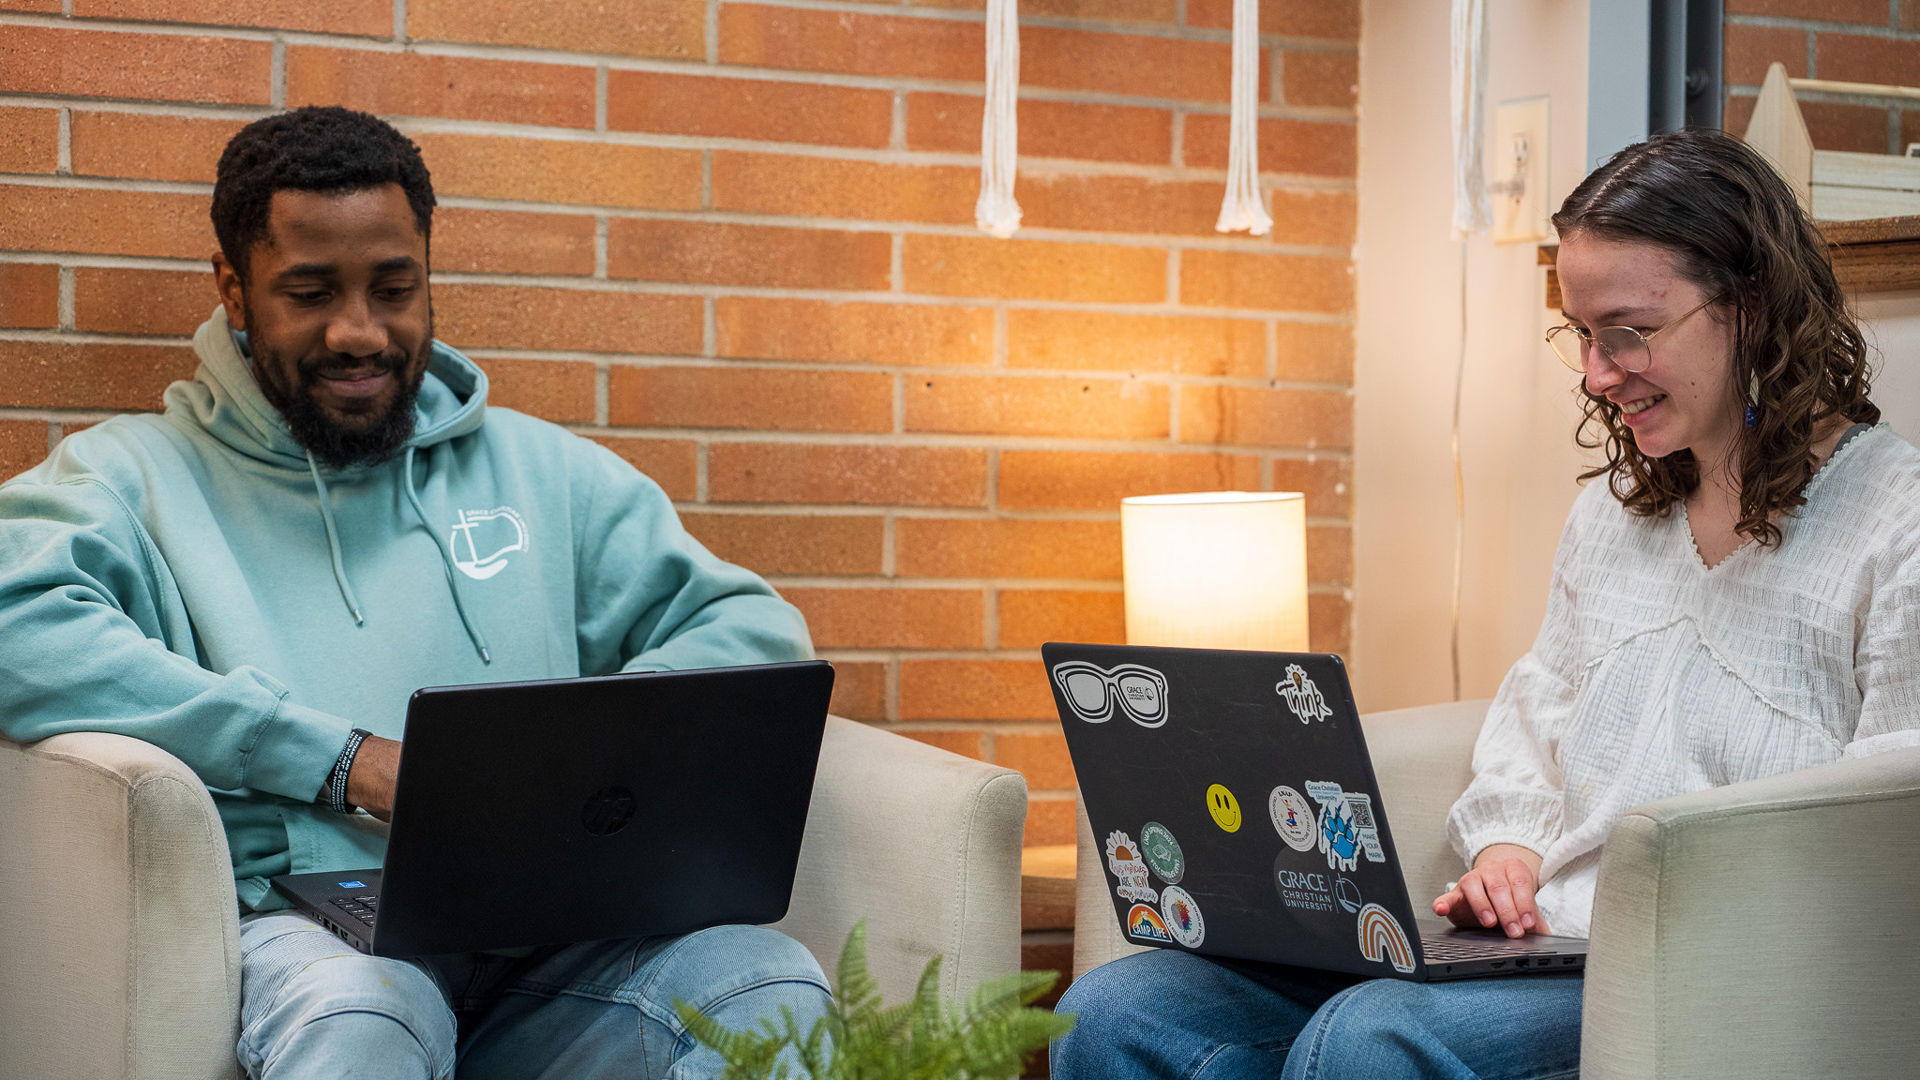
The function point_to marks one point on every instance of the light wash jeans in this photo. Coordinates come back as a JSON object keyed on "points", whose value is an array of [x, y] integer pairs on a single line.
{"points": [[1167, 1015], [310, 1006]]}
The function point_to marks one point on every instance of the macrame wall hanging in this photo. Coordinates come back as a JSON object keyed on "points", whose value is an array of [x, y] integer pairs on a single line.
{"points": [[1468, 88], [997, 212], [1243, 207]]}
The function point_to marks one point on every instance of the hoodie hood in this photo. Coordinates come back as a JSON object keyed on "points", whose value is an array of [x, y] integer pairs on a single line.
{"points": [[225, 399]]}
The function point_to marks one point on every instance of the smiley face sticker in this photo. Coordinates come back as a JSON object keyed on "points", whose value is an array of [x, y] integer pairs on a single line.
{"points": [[1224, 808]]}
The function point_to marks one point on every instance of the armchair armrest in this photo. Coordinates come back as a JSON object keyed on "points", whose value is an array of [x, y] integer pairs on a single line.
{"points": [[1763, 929], [119, 936], [923, 844]]}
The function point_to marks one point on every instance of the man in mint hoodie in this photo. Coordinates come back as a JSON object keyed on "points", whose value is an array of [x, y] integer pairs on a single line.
{"points": [[324, 519]]}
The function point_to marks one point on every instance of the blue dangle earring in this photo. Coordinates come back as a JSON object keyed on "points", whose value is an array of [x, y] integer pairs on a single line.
{"points": [[1753, 399]]}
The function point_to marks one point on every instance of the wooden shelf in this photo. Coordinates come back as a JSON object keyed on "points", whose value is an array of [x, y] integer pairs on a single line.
{"points": [[1869, 256]]}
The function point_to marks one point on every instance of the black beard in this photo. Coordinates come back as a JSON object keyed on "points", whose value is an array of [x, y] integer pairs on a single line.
{"points": [[327, 441]]}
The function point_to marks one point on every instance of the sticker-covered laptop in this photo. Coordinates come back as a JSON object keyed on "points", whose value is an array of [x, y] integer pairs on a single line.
{"points": [[1236, 812]]}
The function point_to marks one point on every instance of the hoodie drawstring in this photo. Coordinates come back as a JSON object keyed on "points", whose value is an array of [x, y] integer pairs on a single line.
{"points": [[446, 559], [333, 542]]}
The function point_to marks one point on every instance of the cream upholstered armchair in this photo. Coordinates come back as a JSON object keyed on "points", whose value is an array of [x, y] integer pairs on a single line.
{"points": [[1762, 930], [119, 943]]}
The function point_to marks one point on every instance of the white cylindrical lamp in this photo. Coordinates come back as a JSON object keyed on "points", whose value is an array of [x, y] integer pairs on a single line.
{"points": [[1216, 570]]}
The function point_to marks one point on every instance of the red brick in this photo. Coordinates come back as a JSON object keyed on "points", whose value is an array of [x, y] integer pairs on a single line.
{"points": [[29, 140], [30, 295], [1114, 63], [1030, 618], [23, 444], [1034, 269], [671, 463], [1329, 79], [1150, 11], [767, 399], [1869, 12], [860, 691], [554, 170], [1910, 18], [48, 375], [1301, 147], [755, 35], [861, 475], [1048, 129], [511, 242], [463, 88], [1859, 128], [149, 147], [793, 543], [748, 109], [1135, 343], [1237, 279], [105, 222], [891, 618], [520, 317], [993, 404], [1326, 482], [171, 302], [712, 254], [826, 187], [1329, 623], [52, 7], [1750, 49], [556, 390], [1049, 821], [1319, 218], [1076, 480], [1042, 759], [673, 28], [1314, 352], [1118, 203], [1857, 58], [371, 18], [1006, 548], [915, 335], [1336, 19], [1329, 553], [1243, 416], [158, 67], [964, 743], [974, 690]]}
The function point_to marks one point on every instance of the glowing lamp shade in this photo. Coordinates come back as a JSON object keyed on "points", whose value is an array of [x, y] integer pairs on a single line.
{"points": [[1216, 570]]}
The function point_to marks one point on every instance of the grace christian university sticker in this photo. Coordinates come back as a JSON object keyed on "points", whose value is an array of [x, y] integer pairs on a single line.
{"points": [[1182, 917], [1162, 852]]}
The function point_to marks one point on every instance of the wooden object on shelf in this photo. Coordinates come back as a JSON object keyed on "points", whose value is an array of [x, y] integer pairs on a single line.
{"points": [[1779, 133], [1834, 185]]}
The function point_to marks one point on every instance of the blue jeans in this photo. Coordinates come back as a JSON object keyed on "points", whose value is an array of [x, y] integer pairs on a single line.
{"points": [[1166, 1014], [310, 1006]]}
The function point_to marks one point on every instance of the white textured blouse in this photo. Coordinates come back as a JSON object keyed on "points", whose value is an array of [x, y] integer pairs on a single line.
{"points": [[1655, 676]]}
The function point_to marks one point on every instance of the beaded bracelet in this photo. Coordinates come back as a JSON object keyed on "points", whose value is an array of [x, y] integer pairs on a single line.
{"points": [[336, 789]]}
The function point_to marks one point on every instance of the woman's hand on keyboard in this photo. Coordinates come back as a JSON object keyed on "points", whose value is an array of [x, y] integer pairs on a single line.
{"points": [[1498, 891]]}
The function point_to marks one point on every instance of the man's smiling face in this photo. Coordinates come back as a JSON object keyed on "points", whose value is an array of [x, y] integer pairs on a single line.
{"points": [[336, 309]]}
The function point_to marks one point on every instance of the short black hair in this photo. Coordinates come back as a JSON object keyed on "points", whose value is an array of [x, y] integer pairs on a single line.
{"points": [[326, 149]]}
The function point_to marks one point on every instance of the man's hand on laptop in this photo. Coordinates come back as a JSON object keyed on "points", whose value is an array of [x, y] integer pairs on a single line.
{"points": [[1498, 891], [376, 766]]}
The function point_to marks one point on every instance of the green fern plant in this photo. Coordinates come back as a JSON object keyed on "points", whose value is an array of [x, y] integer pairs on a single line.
{"points": [[990, 1037]]}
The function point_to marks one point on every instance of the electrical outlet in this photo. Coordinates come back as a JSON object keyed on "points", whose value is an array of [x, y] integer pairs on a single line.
{"points": [[1517, 170]]}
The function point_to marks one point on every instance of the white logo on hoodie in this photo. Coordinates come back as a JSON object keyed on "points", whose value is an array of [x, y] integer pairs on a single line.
{"points": [[482, 540]]}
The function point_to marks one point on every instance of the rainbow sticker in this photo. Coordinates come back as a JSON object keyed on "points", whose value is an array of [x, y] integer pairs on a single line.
{"points": [[1145, 923], [1382, 939]]}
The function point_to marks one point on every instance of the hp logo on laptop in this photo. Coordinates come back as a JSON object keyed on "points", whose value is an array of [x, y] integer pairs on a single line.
{"points": [[608, 810]]}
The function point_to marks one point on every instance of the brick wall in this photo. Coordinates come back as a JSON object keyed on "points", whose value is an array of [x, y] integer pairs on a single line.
{"points": [[1873, 41], [733, 241]]}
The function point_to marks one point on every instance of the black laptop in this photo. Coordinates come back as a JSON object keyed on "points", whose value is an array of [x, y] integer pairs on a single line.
{"points": [[566, 810], [1237, 814]]}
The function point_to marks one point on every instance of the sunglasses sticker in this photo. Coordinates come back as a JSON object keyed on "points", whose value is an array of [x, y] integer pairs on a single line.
{"points": [[1095, 694], [1303, 698], [1381, 939], [1183, 917], [1123, 858]]}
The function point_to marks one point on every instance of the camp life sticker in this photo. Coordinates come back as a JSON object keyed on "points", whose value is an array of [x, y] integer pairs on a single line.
{"points": [[1123, 858], [1183, 917], [1303, 698], [1145, 924], [1381, 939], [1293, 818], [1224, 808], [1162, 852], [1346, 826]]}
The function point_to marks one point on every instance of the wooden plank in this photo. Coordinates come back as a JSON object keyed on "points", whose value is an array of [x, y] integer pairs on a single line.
{"points": [[1871, 231], [1832, 203], [1779, 133], [1845, 168]]}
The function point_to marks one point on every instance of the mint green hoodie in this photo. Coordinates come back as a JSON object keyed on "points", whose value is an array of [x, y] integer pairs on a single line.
{"points": [[194, 580]]}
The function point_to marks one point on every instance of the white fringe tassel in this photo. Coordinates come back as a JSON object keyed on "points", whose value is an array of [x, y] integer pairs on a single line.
{"points": [[1244, 208], [997, 212], [1471, 212]]}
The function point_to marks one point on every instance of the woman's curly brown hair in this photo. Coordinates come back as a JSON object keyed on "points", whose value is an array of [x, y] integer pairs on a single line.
{"points": [[1736, 231]]}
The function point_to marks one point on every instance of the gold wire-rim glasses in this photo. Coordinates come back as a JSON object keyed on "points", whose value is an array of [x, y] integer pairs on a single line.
{"points": [[1613, 342]]}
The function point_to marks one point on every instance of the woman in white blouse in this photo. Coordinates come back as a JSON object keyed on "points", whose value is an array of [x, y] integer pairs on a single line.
{"points": [[1739, 597]]}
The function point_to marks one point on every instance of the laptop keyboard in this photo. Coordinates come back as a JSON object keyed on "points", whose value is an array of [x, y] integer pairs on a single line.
{"points": [[360, 907], [1450, 949]]}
